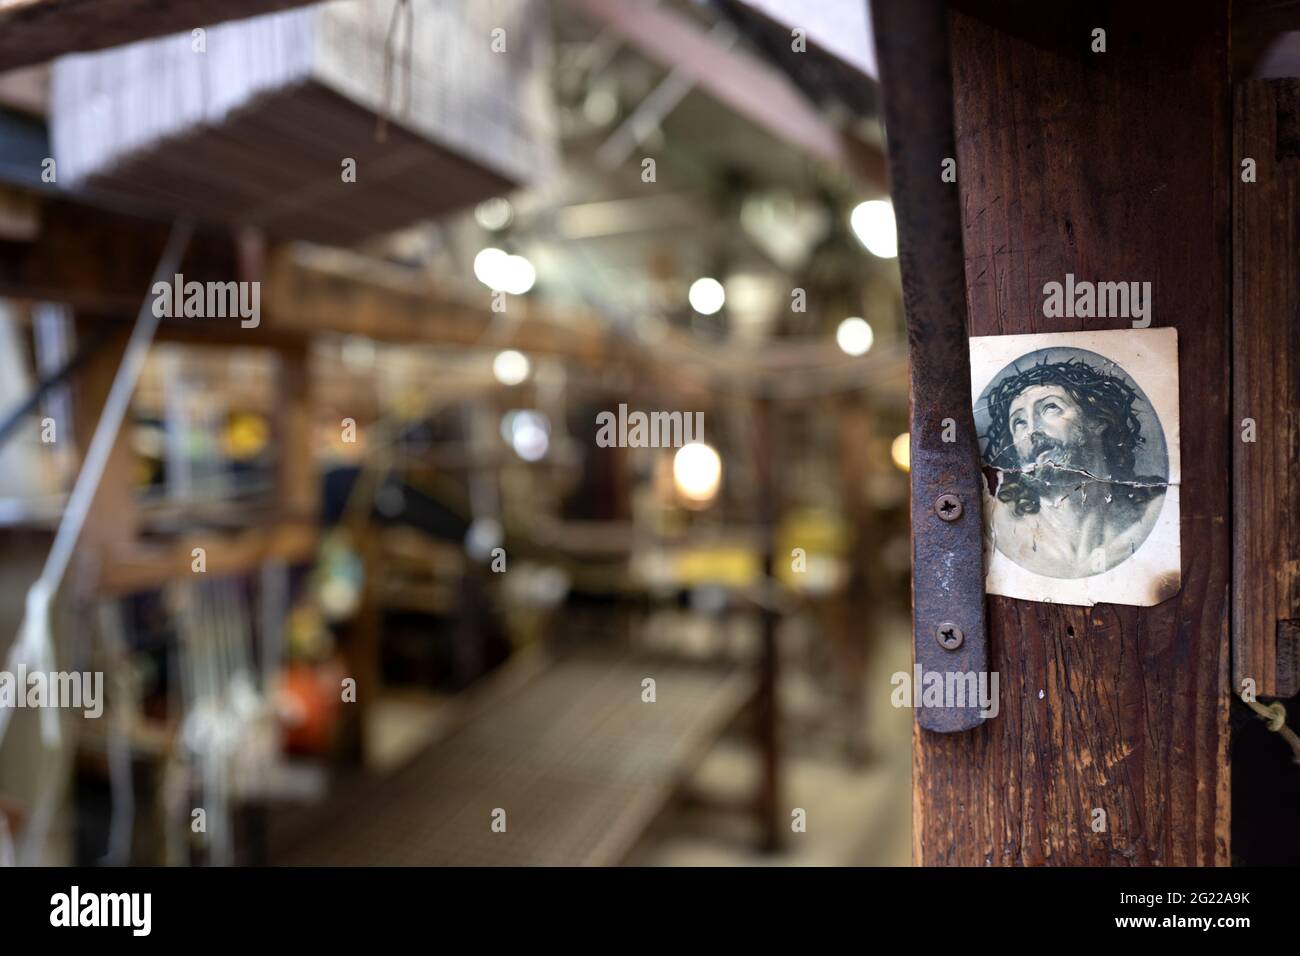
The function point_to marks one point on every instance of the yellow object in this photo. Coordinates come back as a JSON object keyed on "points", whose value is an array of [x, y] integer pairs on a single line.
{"points": [[810, 548], [728, 566], [245, 435]]}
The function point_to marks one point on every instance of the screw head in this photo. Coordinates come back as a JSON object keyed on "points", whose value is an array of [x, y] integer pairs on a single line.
{"points": [[949, 636], [948, 507]]}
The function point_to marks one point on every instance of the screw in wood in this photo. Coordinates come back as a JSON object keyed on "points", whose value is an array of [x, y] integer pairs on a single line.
{"points": [[949, 636], [948, 507]]}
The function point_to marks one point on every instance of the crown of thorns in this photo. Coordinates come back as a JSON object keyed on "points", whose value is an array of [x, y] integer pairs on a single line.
{"points": [[1102, 397]]}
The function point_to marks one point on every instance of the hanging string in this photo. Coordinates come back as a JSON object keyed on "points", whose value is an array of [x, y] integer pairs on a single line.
{"points": [[390, 57]]}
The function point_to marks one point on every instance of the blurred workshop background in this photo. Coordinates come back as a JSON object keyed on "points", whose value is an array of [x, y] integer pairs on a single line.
{"points": [[365, 579]]}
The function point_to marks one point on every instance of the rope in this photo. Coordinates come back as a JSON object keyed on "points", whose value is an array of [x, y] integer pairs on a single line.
{"points": [[390, 55], [1275, 714]]}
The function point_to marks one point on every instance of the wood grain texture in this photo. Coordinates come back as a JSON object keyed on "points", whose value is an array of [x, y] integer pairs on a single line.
{"points": [[1266, 387], [1112, 166]]}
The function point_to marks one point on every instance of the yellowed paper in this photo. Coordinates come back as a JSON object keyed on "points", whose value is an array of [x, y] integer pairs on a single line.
{"points": [[1078, 432]]}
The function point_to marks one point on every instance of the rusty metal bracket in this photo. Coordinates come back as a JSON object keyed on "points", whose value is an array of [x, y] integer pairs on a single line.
{"points": [[947, 553]]}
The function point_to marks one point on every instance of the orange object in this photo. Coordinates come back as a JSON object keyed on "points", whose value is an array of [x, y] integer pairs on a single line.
{"points": [[309, 701]]}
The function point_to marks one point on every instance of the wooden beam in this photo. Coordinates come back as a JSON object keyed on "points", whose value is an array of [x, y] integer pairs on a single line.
{"points": [[100, 262], [312, 290], [26, 90], [297, 480], [1110, 166], [1266, 389], [737, 79], [128, 566], [113, 515], [32, 31]]}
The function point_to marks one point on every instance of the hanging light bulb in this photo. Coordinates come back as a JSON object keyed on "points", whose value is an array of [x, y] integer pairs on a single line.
{"points": [[707, 295], [697, 472], [854, 336], [502, 272], [510, 367]]}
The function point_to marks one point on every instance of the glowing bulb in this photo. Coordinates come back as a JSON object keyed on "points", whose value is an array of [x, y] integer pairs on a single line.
{"points": [[901, 451], [494, 214], [500, 271], [510, 367], [483, 535], [873, 224], [854, 336], [697, 472], [528, 432], [531, 439], [517, 275], [707, 296], [487, 266]]}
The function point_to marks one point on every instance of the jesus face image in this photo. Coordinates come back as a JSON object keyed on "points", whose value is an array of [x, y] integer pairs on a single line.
{"points": [[1050, 432], [1063, 438]]}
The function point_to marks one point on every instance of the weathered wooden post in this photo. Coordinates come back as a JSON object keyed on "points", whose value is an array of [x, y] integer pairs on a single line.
{"points": [[1093, 141]]}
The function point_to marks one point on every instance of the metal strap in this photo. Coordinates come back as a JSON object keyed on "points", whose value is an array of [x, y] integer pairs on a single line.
{"points": [[947, 557]]}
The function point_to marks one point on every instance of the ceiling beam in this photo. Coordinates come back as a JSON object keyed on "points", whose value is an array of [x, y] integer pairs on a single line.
{"points": [[101, 263], [739, 80], [33, 31], [308, 289]]}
